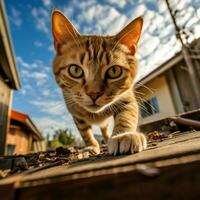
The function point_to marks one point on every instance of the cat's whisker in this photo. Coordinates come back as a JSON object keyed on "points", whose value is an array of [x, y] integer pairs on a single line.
{"points": [[62, 82], [152, 107], [59, 105], [144, 100], [143, 107], [69, 102], [139, 92], [151, 90]]}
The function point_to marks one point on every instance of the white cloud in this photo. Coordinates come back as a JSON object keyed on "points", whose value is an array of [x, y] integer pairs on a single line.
{"points": [[41, 17], [48, 124], [24, 64], [38, 44], [51, 48], [23, 91], [158, 42], [139, 10], [98, 18], [112, 21], [120, 3], [26, 89], [39, 78], [93, 17], [149, 45], [46, 92], [37, 75], [15, 17], [116, 25], [21, 62], [37, 64], [54, 108], [47, 3]]}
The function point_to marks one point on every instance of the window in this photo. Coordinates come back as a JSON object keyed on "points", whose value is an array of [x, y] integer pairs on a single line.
{"points": [[10, 149], [149, 107]]}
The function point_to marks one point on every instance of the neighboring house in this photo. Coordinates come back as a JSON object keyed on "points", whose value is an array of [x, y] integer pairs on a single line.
{"points": [[9, 78], [167, 90], [23, 136]]}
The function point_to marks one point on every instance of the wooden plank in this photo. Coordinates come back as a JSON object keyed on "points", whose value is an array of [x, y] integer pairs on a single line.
{"points": [[174, 147], [166, 167], [173, 182], [169, 148], [119, 183]]}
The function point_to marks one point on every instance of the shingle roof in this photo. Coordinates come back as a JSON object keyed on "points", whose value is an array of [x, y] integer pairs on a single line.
{"points": [[27, 122]]}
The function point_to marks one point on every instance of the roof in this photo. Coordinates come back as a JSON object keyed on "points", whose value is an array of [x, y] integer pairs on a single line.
{"points": [[165, 66], [8, 66], [27, 122]]}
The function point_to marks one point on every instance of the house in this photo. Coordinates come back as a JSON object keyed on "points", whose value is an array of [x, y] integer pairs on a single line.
{"points": [[168, 90], [9, 79], [23, 136]]}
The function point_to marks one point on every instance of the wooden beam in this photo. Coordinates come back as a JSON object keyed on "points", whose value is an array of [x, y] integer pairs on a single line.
{"points": [[187, 122]]}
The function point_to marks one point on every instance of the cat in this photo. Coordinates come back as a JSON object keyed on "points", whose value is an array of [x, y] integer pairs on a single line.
{"points": [[96, 75]]}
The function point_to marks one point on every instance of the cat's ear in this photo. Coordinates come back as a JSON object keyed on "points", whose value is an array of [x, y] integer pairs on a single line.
{"points": [[130, 35], [62, 29]]}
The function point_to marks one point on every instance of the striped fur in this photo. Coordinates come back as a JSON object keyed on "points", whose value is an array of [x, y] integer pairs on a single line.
{"points": [[95, 54]]}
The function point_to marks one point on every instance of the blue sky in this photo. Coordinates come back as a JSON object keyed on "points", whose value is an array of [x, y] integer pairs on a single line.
{"points": [[30, 28]]}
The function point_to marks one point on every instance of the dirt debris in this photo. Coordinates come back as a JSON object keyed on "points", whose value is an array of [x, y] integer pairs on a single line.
{"points": [[10, 165]]}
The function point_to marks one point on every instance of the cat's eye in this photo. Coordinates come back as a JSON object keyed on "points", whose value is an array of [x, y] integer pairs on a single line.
{"points": [[75, 71], [114, 72]]}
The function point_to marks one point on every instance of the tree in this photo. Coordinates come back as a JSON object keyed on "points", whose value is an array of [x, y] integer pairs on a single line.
{"points": [[62, 137], [65, 136]]}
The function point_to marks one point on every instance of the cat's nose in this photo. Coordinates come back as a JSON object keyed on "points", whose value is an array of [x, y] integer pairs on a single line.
{"points": [[94, 95]]}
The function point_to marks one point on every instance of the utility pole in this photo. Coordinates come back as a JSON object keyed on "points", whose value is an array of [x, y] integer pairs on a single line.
{"points": [[186, 56]]}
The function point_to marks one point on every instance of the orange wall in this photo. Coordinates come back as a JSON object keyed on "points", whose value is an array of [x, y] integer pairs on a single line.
{"points": [[20, 138]]}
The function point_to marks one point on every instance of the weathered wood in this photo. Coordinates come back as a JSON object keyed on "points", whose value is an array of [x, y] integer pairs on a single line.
{"points": [[164, 124], [174, 182], [5, 98], [166, 168], [187, 122]]}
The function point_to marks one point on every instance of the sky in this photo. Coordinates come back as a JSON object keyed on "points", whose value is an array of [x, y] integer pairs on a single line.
{"points": [[30, 28]]}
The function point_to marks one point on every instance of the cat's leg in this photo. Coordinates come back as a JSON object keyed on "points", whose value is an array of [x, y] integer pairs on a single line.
{"points": [[87, 135], [105, 133], [125, 138]]}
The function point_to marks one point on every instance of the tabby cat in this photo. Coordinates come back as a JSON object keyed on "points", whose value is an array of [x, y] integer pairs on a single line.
{"points": [[96, 75]]}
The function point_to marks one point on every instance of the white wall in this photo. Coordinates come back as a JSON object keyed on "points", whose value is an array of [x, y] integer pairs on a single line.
{"points": [[157, 87]]}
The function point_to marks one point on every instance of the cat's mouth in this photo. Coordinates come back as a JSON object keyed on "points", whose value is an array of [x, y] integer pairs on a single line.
{"points": [[94, 108]]}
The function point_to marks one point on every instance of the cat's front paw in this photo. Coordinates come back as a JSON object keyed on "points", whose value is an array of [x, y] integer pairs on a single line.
{"points": [[92, 149], [127, 143]]}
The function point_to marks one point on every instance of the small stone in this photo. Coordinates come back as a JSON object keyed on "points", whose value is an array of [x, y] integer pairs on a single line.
{"points": [[62, 151]]}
